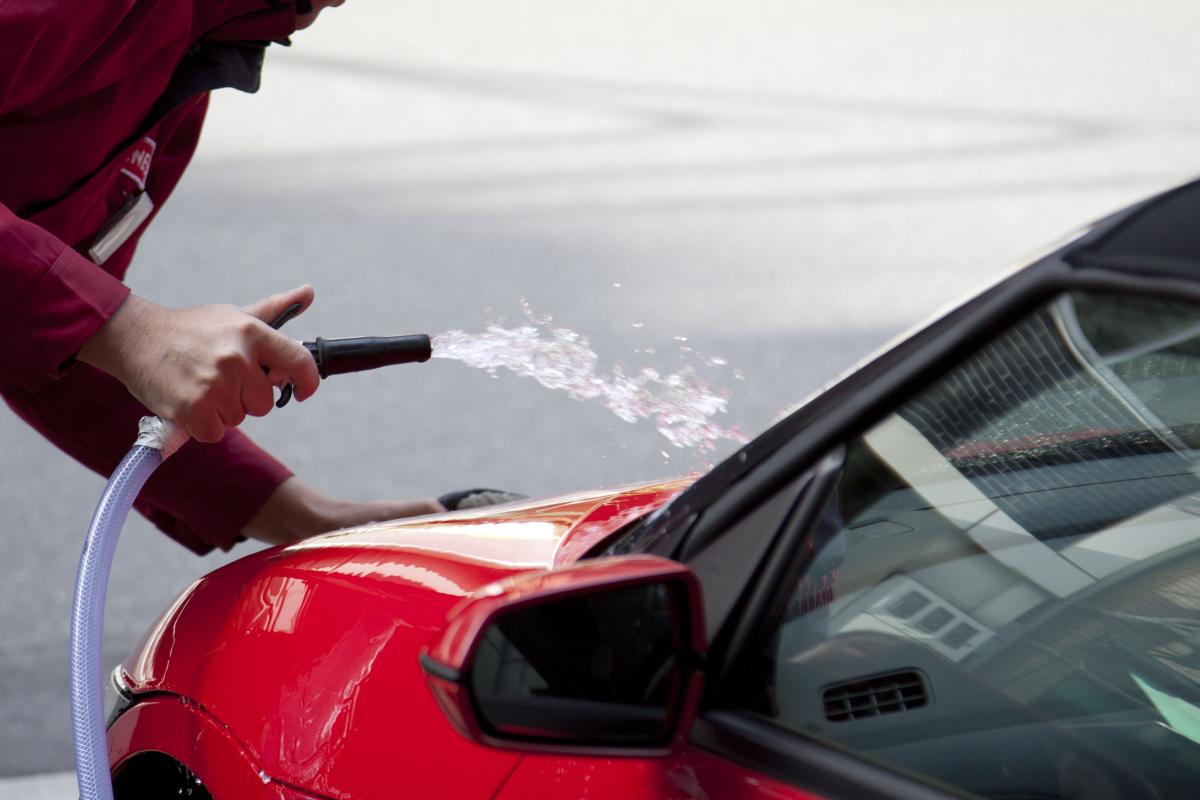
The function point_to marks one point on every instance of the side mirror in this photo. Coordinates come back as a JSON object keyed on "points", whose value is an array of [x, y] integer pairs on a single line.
{"points": [[602, 658]]}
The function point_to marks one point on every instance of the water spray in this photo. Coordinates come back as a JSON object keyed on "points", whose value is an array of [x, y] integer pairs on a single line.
{"points": [[682, 406]]}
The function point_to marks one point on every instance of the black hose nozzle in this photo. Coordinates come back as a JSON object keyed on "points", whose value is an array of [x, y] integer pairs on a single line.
{"points": [[338, 356], [355, 354]]}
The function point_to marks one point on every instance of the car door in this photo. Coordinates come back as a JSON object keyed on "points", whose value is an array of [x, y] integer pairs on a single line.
{"points": [[973, 567]]}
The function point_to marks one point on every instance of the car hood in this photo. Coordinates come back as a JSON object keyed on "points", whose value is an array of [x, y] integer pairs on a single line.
{"points": [[493, 542], [308, 653]]}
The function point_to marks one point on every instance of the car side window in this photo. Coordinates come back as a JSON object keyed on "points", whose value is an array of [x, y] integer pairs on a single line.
{"points": [[1003, 592]]}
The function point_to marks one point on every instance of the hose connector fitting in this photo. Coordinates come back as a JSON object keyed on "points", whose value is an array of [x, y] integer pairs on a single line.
{"points": [[160, 434]]}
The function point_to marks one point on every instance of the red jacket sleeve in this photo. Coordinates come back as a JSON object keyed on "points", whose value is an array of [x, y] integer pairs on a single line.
{"points": [[51, 301]]}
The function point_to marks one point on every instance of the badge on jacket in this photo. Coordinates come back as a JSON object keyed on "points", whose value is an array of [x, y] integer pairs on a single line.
{"points": [[138, 205]]}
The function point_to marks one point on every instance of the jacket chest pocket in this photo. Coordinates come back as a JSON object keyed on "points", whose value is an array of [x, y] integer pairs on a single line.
{"points": [[110, 208]]}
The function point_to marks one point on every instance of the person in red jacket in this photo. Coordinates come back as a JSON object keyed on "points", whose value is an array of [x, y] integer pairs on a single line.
{"points": [[101, 104]]}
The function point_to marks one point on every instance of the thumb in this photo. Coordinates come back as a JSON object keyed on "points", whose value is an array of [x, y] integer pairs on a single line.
{"points": [[269, 308]]}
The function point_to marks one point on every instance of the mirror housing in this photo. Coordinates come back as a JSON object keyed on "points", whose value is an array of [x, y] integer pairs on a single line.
{"points": [[603, 657]]}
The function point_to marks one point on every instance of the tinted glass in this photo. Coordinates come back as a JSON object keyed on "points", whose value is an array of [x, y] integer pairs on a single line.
{"points": [[1003, 593], [599, 667]]}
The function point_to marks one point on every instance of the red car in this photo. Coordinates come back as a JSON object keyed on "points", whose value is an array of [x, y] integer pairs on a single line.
{"points": [[971, 567]]}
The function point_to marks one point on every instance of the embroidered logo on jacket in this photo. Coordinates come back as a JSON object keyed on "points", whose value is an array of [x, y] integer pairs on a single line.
{"points": [[137, 166]]}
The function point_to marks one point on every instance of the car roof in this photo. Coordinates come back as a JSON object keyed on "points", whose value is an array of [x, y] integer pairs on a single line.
{"points": [[1160, 236]]}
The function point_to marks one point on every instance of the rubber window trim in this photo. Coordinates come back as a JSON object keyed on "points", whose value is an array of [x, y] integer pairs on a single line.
{"points": [[810, 764]]}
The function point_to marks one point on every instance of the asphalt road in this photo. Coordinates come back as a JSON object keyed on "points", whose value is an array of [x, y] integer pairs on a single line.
{"points": [[788, 184]]}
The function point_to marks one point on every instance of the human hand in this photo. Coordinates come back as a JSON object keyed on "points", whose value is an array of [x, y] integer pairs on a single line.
{"points": [[296, 511], [202, 368]]}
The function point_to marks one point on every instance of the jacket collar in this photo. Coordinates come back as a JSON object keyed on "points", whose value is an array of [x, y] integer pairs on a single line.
{"points": [[243, 20]]}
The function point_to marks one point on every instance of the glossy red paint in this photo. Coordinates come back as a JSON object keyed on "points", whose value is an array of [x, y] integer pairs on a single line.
{"points": [[186, 732], [310, 658], [309, 653], [690, 775], [610, 516]]}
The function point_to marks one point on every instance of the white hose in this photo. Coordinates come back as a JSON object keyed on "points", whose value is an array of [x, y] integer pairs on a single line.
{"points": [[156, 441]]}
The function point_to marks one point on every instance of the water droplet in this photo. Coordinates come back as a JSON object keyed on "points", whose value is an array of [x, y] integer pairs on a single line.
{"points": [[639, 324], [742, 457], [717, 361], [680, 338], [617, 285], [665, 454]]}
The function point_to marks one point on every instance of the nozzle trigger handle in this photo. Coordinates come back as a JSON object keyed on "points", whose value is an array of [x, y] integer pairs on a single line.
{"points": [[285, 391]]}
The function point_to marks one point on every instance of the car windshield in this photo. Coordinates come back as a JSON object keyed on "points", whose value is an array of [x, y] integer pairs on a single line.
{"points": [[1003, 593]]}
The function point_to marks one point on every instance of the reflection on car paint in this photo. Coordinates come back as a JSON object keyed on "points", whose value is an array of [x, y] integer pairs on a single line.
{"points": [[609, 517], [691, 775]]}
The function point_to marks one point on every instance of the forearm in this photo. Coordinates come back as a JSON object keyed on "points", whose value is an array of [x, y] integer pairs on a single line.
{"points": [[296, 511], [126, 328]]}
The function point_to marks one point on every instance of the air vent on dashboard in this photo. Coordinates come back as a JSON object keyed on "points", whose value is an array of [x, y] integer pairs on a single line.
{"points": [[875, 696]]}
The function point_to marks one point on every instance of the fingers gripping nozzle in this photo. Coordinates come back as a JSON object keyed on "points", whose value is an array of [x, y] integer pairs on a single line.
{"points": [[355, 354]]}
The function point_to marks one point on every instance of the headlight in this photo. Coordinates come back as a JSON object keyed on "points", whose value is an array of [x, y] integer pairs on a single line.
{"points": [[118, 697]]}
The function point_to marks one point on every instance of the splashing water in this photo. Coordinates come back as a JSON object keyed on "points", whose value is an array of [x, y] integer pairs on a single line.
{"points": [[681, 404]]}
